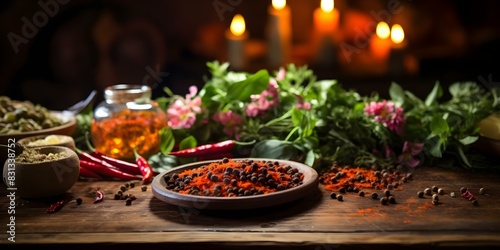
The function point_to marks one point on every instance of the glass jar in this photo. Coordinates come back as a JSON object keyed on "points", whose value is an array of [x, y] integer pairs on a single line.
{"points": [[125, 120]]}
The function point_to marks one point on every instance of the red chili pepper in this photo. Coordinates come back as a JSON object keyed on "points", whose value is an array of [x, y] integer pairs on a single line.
{"points": [[87, 173], [146, 169], [99, 196], [55, 207], [468, 195], [219, 147], [122, 165], [107, 170]]}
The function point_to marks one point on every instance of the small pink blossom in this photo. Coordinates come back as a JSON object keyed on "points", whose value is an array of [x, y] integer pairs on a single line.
{"points": [[301, 104], [409, 153], [264, 101], [231, 121], [182, 113], [385, 112], [281, 74]]}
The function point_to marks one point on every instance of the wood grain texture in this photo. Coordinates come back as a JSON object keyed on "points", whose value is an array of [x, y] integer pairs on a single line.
{"points": [[314, 222]]}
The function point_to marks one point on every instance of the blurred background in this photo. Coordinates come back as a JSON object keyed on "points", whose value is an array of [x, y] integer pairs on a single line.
{"points": [[56, 52]]}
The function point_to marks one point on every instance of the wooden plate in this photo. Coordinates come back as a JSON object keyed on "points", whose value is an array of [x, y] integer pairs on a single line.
{"points": [[310, 183]]}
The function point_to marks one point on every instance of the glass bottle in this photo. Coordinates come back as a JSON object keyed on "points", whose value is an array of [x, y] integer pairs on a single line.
{"points": [[125, 120]]}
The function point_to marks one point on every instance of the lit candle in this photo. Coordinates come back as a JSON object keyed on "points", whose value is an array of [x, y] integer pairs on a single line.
{"points": [[325, 23], [236, 37], [397, 50], [380, 45], [279, 33], [326, 18]]}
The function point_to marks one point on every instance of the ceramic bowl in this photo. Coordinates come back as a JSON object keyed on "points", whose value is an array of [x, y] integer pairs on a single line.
{"points": [[48, 140], [43, 179]]}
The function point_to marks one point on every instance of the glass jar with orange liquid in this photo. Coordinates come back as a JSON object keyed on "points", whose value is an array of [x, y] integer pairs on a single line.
{"points": [[125, 120]]}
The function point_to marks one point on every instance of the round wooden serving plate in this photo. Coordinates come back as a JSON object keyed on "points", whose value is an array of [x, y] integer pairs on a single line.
{"points": [[310, 183]]}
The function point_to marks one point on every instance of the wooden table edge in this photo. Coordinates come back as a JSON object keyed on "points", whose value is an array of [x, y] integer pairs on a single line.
{"points": [[266, 238]]}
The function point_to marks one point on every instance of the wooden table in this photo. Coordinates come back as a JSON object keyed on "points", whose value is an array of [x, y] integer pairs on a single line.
{"points": [[314, 222]]}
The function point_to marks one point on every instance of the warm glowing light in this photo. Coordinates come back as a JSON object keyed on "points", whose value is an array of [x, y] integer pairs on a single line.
{"points": [[279, 4], [327, 5], [383, 31], [397, 34], [238, 25]]}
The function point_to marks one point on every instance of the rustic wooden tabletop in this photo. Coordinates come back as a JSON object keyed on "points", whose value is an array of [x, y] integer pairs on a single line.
{"points": [[314, 222]]}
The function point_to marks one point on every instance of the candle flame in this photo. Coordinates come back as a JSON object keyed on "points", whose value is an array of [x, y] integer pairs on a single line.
{"points": [[383, 30], [238, 25], [279, 4], [327, 5], [397, 34]]}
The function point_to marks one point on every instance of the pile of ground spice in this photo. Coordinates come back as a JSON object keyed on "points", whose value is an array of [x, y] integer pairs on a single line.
{"points": [[29, 155], [232, 178], [349, 179]]}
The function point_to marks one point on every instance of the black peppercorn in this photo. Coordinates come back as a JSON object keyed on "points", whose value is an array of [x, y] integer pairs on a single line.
{"points": [[383, 200], [440, 191], [428, 191], [79, 200], [435, 197], [475, 203], [420, 194], [340, 197], [374, 195], [387, 193], [128, 202], [118, 196], [214, 178], [333, 195], [482, 191], [361, 193], [392, 199], [132, 184], [123, 188], [144, 188], [435, 189], [342, 190]]}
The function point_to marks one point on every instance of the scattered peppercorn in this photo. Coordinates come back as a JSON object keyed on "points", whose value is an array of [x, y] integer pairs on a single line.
{"points": [[340, 197], [387, 193], [361, 193], [452, 194], [440, 191], [435, 197], [435, 189], [79, 200], [392, 199], [123, 188], [144, 188], [118, 196], [383, 200], [127, 185], [132, 184], [333, 195], [128, 202], [374, 196], [342, 190], [427, 191], [475, 202], [482, 191], [420, 194]]}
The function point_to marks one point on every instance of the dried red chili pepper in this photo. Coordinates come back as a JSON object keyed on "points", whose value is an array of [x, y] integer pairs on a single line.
{"points": [[87, 173], [99, 196], [122, 165], [219, 147], [55, 207], [146, 169], [107, 170]]}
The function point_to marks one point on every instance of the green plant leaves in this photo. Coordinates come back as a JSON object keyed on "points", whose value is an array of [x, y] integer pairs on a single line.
{"points": [[254, 84], [434, 95], [397, 94], [167, 141], [274, 149]]}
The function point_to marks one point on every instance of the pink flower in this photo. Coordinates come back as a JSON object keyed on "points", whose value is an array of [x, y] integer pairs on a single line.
{"points": [[410, 150], [385, 112], [232, 122], [182, 113], [281, 74], [264, 101], [301, 104]]}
